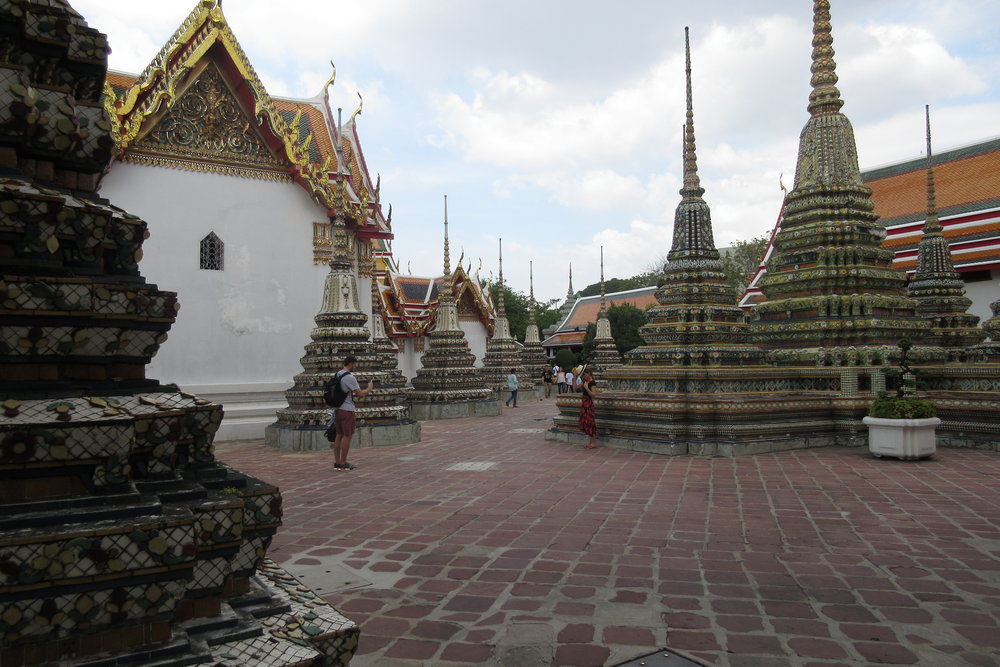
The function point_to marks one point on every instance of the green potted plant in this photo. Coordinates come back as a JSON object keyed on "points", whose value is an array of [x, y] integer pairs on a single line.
{"points": [[902, 426]]}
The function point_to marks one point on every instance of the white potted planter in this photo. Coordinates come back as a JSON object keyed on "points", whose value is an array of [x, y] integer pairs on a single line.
{"points": [[902, 438]]}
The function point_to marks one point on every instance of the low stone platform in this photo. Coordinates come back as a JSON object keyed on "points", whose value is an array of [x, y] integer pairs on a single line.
{"points": [[485, 542], [314, 439], [454, 409]]}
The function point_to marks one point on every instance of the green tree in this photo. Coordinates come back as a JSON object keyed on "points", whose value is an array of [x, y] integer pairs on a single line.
{"points": [[565, 358], [515, 305], [625, 320], [742, 260], [648, 279]]}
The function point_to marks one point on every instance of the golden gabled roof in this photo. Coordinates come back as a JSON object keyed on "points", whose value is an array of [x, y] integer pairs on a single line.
{"points": [[298, 129]]}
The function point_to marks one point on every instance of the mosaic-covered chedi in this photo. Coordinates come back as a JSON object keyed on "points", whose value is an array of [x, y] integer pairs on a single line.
{"points": [[936, 286], [122, 539], [448, 385], [824, 337], [503, 353], [341, 332], [533, 356], [605, 350]]}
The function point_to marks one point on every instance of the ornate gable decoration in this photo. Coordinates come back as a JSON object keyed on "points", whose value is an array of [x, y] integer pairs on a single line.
{"points": [[168, 75], [206, 128]]}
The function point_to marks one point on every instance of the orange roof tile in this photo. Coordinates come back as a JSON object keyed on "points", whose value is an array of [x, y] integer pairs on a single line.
{"points": [[586, 313], [958, 182]]}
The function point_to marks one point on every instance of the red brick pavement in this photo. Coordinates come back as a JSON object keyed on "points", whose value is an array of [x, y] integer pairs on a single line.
{"points": [[577, 557]]}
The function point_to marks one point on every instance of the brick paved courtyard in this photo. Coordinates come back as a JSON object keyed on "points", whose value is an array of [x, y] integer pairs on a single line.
{"points": [[486, 544]]}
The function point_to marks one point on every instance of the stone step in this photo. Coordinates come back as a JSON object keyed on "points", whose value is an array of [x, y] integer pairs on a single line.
{"points": [[178, 652], [77, 509]]}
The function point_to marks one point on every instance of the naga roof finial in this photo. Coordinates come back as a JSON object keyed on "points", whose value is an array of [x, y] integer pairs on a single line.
{"points": [[825, 97], [692, 184], [361, 105], [932, 224], [329, 82]]}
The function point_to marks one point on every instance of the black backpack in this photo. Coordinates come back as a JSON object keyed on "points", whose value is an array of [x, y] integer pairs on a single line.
{"points": [[333, 392]]}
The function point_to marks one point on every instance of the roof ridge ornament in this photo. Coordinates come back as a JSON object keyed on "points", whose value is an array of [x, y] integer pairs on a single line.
{"points": [[330, 81], [361, 105], [825, 96]]}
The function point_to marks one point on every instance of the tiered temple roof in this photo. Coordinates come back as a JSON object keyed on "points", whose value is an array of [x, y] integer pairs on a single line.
{"points": [[570, 330]]}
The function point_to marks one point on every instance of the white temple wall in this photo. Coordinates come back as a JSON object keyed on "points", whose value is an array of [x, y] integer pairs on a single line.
{"points": [[983, 293], [241, 331], [475, 334]]}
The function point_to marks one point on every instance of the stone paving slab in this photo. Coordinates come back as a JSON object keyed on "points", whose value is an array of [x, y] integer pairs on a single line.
{"points": [[564, 556]]}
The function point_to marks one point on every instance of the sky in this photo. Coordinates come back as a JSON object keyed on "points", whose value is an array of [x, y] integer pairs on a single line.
{"points": [[555, 125]]}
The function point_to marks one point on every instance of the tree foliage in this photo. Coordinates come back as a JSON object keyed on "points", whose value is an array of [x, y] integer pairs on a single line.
{"points": [[625, 320], [565, 358], [516, 307], [648, 279], [742, 260]]}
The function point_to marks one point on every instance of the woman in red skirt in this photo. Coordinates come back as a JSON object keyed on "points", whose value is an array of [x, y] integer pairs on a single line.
{"points": [[588, 423]]}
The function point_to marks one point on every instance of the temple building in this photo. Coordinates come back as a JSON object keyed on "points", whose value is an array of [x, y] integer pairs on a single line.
{"points": [[240, 190], [569, 331], [122, 539]]}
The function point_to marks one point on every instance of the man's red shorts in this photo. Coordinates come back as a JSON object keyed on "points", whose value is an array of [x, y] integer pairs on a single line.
{"points": [[345, 421]]}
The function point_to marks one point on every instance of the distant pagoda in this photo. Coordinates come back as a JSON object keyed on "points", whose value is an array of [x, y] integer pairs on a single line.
{"points": [[533, 356], [833, 297], [606, 351], [340, 332], [503, 353], [566, 309], [448, 385], [936, 286], [697, 321]]}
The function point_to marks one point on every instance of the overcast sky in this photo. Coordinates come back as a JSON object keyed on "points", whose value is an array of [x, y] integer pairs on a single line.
{"points": [[556, 124]]}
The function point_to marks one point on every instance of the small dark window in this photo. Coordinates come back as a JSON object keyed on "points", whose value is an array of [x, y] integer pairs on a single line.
{"points": [[212, 253]]}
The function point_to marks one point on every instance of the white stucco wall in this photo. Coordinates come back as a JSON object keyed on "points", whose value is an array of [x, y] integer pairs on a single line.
{"points": [[240, 330], [983, 293]]}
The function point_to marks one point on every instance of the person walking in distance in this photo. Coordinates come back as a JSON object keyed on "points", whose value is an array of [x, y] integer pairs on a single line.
{"points": [[547, 381], [343, 415], [560, 380], [512, 385], [570, 387]]}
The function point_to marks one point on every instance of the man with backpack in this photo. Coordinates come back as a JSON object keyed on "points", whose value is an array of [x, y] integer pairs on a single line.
{"points": [[339, 393]]}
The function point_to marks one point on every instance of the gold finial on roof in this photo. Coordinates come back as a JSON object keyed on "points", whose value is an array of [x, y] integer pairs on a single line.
{"points": [[781, 183], [361, 105], [932, 224], [825, 97], [329, 82], [388, 218]]}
